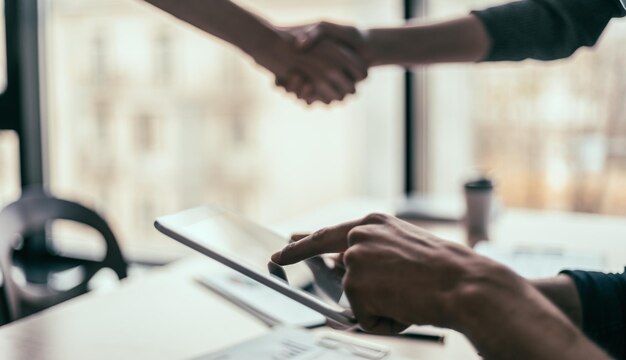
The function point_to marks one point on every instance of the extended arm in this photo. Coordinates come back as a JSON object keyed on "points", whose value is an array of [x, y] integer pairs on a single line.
{"points": [[537, 29], [328, 68], [225, 20], [458, 40]]}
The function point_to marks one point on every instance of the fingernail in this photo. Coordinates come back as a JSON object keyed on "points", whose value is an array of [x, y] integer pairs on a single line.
{"points": [[276, 257]]}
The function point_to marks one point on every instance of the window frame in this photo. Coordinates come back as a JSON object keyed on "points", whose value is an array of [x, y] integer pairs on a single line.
{"points": [[20, 103], [415, 120]]}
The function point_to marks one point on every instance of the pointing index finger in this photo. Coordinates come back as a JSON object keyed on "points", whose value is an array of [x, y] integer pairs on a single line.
{"points": [[328, 240]]}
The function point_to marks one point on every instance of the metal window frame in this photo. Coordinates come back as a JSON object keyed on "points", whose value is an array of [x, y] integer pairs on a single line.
{"points": [[9, 106], [21, 101], [415, 119]]}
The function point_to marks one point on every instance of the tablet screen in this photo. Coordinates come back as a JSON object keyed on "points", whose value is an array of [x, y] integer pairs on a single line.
{"points": [[241, 240], [244, 245]]}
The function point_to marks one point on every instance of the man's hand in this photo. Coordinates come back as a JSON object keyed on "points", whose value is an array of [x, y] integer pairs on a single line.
{"points": [[398, 274], [349, 36], [323, 39], [326, 71]]}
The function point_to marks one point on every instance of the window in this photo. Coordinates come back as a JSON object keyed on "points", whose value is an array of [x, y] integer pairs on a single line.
{"points": [[99, 49], [158, 117], [553, 135], [9, 168], [145, 133], [164, 57]]}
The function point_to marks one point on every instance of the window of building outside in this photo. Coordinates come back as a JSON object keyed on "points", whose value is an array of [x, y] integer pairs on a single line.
{"points": [[148, 116], [9, 153], [553, 135], [9, 168]]}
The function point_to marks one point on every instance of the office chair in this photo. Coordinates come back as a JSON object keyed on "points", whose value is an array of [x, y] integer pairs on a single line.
{"points": [[31, 214]]}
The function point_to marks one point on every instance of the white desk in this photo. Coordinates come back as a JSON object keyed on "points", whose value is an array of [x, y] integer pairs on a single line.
{"points": [[166, 315]]}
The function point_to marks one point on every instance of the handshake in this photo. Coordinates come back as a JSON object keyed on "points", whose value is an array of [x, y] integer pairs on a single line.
{"points": [[322, 62]]}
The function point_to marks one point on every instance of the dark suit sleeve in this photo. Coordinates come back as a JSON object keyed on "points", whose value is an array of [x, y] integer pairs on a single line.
{"points": [[603, 300], [546, 29]]}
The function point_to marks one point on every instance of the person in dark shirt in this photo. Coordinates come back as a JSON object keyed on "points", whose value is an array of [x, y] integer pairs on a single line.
{"points": [[519, 324], [528, 29]]}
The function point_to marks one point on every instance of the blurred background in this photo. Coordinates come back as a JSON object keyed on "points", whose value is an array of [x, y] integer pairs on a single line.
{"points": [[146, 116]]}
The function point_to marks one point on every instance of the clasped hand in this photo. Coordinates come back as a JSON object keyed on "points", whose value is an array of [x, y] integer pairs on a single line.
{"points": [[317, 63]]}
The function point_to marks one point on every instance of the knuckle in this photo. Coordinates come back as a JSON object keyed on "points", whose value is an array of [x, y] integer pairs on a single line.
{"points": [[351, 257], [290, 247], [376, 218], [319, 233], [355, 236], [324, 25]]}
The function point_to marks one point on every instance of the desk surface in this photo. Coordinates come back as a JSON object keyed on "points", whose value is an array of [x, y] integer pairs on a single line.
{"points": [[163, 315], [167, 315]]}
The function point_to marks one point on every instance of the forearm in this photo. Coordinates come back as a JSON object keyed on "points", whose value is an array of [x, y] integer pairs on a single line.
{"points": [[507, 317], [562, 292], [459, 40], [225, 20], [544, 30]]}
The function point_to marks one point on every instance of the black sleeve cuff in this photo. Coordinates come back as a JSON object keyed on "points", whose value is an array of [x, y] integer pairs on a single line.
{"points": [[603, 300], [545, 29]]}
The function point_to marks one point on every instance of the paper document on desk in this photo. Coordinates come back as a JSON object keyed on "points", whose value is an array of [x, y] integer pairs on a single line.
{"points": [[297, 344], [535, 263], [266, 304]]}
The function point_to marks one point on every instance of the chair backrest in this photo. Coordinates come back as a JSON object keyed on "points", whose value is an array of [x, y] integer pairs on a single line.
{"points": [[32, 213]]}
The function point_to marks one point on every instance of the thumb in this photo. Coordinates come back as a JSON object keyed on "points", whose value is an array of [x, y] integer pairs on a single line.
{"points": [[347, 35], [385, 326], [308, 38]]}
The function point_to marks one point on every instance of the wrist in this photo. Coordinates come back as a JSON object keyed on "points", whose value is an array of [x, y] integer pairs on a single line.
{"points": [[476, 298], [562, 292], [504, 316], [374, 49], [270, 49], [392, 46]]}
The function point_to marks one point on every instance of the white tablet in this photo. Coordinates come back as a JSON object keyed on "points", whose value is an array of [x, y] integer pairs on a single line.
{"points": [[246, 247]]}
